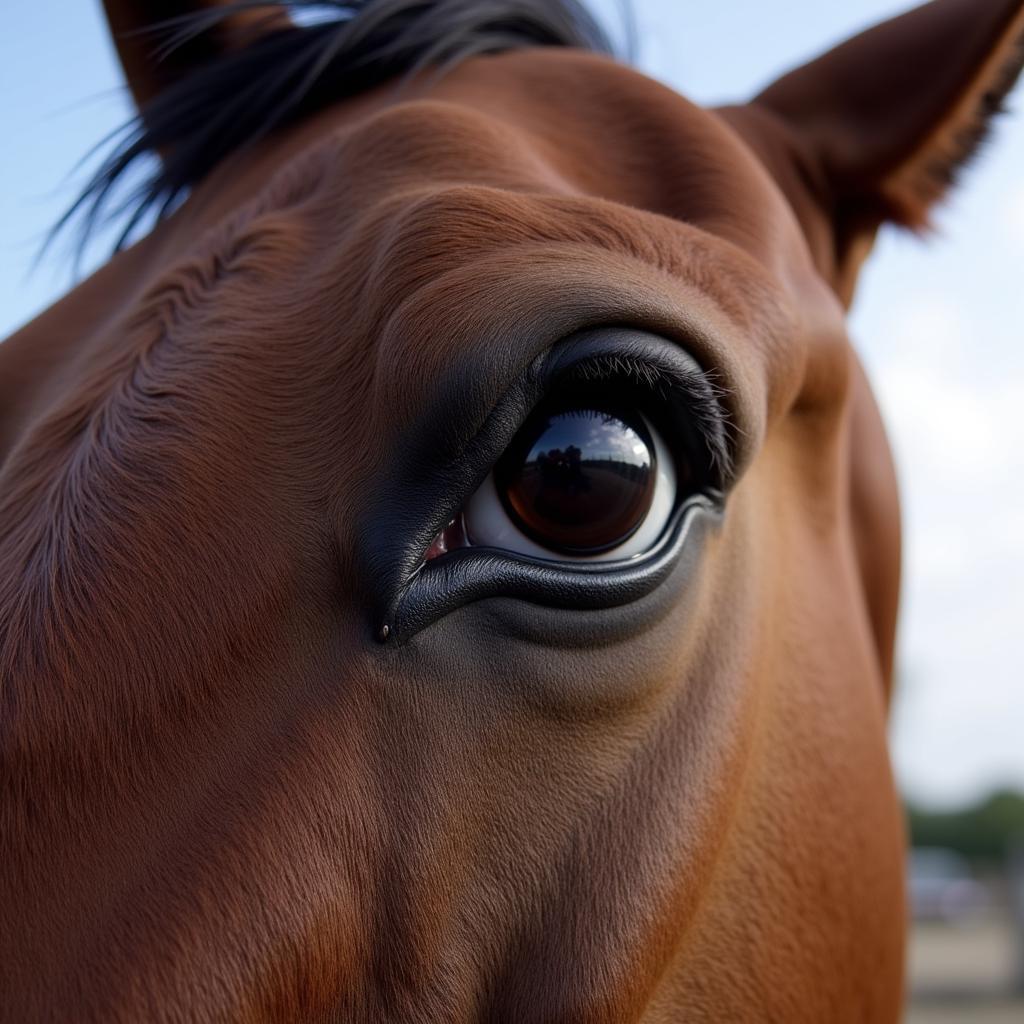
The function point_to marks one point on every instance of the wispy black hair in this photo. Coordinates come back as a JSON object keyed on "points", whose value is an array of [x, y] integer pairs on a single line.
{"points": [[337, 49]]}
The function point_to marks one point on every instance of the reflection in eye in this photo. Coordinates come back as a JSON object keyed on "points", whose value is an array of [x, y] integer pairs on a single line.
{"points": [[578, 482]]}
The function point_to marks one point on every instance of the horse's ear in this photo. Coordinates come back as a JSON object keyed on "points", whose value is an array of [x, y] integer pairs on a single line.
{"points": [[161, 41], [877, 129]]}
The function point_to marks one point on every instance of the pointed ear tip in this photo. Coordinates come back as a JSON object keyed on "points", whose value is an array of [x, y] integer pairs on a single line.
{"points": [[925, 230], [913, 214]]}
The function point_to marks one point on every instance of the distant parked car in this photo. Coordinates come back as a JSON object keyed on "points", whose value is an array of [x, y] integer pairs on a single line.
{"points": [[942, 887]]}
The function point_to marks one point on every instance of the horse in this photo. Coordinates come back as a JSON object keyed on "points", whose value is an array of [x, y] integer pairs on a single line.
{"points": [[449, 553]]}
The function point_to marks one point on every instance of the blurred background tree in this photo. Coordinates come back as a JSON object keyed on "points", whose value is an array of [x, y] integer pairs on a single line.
{"points": [[983, 832]]}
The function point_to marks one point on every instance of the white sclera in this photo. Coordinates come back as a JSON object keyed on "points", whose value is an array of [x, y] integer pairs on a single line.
{"points": [[488, 524]]}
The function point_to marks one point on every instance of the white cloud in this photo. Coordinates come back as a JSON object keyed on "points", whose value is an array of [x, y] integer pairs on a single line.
{"points": [[957, 424]]}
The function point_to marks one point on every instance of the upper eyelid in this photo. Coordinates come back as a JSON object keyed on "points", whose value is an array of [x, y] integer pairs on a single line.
{"points": [[707, 400]]}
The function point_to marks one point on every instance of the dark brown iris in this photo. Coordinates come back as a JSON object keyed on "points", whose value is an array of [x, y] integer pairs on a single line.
{"points": [[579, 480]]}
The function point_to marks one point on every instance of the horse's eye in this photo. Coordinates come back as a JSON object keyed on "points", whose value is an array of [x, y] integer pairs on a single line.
{"points": [[581, 480]]}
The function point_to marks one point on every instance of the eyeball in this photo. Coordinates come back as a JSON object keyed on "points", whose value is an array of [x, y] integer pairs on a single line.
{"points": [[579, 482]]}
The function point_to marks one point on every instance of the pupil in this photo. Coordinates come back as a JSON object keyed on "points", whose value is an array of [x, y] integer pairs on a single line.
{"points": [[579, 480]]}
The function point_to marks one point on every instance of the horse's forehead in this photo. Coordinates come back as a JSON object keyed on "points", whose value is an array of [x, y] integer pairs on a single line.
{"points": [[484, 216], [561, 123], [561, 188]]}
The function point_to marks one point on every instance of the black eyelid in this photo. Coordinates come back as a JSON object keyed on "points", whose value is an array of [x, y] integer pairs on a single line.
{"points": [[472, 574], [430, 482]]}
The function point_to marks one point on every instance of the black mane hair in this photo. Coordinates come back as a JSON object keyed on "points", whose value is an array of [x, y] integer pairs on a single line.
{"points": [[338, 49]]}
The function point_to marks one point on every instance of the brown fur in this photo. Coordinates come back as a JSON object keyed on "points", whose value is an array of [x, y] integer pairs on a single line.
{"points": [[222, 799]]}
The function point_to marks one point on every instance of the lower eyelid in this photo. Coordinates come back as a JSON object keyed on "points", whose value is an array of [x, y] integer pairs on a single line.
{"points": [[470, 576]]}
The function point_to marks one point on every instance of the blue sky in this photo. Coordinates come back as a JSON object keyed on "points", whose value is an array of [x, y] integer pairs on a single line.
{"points": [[939, 325]]}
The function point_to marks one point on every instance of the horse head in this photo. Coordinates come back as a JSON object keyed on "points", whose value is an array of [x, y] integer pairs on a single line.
{"points": [[449, 565]]}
